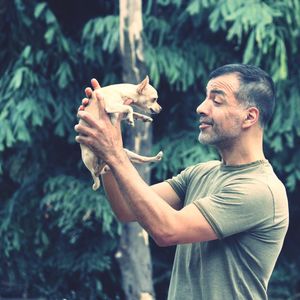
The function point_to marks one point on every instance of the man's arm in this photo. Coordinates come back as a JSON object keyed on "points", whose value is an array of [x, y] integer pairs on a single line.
{"points": [[116, 199], [120, 206], [167, 225]]}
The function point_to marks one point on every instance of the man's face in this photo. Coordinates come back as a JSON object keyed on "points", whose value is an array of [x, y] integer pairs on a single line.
{"points": [[221, 115]]}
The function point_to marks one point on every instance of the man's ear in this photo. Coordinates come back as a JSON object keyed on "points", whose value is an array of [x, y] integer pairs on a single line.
{"points": [[142, 85], [252, 117]]}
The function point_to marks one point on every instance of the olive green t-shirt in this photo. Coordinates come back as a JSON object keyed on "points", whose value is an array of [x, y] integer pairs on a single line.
{"points": [[247, 207]]}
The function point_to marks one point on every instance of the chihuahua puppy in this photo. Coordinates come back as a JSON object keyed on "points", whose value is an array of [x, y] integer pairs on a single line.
{"points": [[142, 95]]}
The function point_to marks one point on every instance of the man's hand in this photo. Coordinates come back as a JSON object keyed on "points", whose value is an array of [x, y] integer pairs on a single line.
{"points": [[100, 135], [88, 92]]}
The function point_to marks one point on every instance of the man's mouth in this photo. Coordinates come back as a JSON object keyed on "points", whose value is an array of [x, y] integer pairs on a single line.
{"points": [[205, 124]]}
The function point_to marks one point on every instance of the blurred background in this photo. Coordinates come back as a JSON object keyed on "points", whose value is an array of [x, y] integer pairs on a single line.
{"points": [[58, 238]]}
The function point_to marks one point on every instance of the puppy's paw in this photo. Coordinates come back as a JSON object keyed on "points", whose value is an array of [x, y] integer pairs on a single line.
{"points": [[105, 169], [130, 122], [147, 119], [159, 155]]}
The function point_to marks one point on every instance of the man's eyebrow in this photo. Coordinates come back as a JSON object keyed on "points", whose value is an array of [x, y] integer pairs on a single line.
{"points": [[218, 92]]}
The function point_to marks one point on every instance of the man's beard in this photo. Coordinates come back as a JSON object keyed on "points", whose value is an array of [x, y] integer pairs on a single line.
{"points": [[211, 139], [217, 138]]}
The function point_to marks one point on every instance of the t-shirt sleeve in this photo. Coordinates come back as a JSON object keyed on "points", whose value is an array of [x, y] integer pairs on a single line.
{"points": [[237, 207], [179, 182]]}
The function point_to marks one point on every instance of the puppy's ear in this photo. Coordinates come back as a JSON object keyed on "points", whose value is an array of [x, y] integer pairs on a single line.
{"points": [[142, 85]]}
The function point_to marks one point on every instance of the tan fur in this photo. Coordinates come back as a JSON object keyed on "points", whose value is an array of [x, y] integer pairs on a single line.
{"points": [[142, 95]]}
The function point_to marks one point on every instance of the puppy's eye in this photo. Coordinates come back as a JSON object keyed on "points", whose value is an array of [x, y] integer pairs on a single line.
{"points": [[154, 99]]}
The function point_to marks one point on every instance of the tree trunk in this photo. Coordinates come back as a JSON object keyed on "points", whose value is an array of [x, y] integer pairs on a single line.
{"points": [[134, 254]]}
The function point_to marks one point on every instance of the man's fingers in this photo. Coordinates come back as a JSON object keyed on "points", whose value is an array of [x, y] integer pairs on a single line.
{"points": [[88, 118], [103, 115], [101, 105], [88, 92], [84, 140], [95, 84], [80, 139], [83, 129], [85, 101]]}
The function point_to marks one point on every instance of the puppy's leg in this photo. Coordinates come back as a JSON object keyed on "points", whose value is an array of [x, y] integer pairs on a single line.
{"points": [[143, 159], [136, 158], [90, 161], [113, 117], [142, 117], [120, 108]]}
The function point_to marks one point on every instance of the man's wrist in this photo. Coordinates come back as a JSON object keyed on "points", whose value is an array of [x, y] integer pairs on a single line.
{"points": [[117, 159]]}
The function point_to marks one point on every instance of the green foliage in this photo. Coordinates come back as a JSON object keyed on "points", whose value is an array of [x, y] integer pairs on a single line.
{"points": [[51, 221], [102, 33], [74, 219], [42, 205], [75, 201]]}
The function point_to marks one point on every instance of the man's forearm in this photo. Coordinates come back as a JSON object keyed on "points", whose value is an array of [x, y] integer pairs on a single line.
{"points": [[149, 209], [116, 199]]}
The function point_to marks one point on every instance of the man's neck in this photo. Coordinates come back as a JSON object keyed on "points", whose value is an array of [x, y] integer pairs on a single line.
{"points": [[240, 159], [242, 152]]}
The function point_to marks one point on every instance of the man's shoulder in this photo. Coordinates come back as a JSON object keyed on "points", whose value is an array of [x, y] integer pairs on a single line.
{"points": [[261, 188], [203, 168], [208, 165], [268, 178]]}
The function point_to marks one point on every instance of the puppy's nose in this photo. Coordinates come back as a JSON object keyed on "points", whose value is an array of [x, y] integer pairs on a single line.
{"points": [[156, 109]]}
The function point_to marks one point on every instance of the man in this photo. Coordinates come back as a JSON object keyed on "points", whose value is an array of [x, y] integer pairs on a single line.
{"points": [[228, 218]]}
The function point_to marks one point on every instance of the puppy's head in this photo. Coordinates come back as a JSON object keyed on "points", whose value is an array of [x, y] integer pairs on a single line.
{"points": [[147, 97]]}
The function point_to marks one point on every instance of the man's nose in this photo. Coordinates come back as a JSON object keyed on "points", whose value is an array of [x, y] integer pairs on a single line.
{"points": [[202, 108]]}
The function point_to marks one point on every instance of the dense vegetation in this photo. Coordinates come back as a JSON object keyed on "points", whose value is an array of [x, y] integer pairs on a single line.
{"points": [[57, 236]]}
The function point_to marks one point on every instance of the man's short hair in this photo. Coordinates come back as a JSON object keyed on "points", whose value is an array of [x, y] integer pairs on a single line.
{"points": [[256, 88]]}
